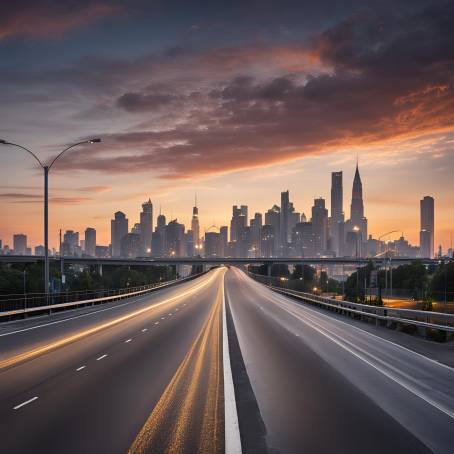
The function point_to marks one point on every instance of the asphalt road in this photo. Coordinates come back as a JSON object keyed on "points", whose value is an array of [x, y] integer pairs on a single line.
{"points": [[325, 386], [144, 376]]}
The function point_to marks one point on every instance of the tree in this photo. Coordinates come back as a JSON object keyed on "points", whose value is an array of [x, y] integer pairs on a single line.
{"points": [[356, 284], [307, 274], [443, 282]]}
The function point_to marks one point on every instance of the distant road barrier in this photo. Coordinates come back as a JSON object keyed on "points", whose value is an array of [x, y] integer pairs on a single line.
{"points": [[34, 304], [390, 317]]}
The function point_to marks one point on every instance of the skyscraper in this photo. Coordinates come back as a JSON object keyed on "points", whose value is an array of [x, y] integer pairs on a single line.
{"points": [[239, 220], [256, 232], [284, 222], [175, 239], [70, 245], [426, 233], [268, 241], [303, 240], [146, 227], [90, 241], [159, 237], [337, 210], [320, 226], [118, 229], [20, 244], [195, 227], [357, 222], [212, 244], [357, 205], [224, 235], [130, 245], [273, 218], [337, 213]]}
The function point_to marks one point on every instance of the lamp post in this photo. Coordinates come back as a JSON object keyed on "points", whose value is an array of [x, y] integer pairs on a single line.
{"points": [[46, 168]]}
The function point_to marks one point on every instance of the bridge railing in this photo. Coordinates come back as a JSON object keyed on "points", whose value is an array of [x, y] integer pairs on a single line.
{"points": [[16, 305], [392, 317]]}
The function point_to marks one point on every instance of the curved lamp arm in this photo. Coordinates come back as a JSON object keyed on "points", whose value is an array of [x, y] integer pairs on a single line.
{"points": [[4, 142], [72, 146], [386, 234]]}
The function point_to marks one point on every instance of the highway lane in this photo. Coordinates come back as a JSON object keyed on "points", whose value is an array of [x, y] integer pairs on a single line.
{"points": [[94, 383], [325, 386]]}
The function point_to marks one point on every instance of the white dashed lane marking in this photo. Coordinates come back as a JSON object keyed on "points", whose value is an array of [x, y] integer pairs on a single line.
{"points": [[80, 368], [101, 357], [29, 401]]}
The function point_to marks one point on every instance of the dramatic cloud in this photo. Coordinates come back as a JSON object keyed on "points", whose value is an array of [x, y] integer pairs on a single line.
{"points": [[390, 78], [50, 18], [186, 111]]}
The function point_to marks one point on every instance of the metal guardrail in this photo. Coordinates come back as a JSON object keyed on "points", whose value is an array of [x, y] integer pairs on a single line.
{"points": [[405, 316], [94, 301], [386, 315]]}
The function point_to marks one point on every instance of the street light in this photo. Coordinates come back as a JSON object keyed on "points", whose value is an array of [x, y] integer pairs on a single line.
{"points": [[46, 168]]}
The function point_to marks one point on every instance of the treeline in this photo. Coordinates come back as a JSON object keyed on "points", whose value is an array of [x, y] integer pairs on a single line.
{"points": [[415, 279], [17, 278], [303, 278]]}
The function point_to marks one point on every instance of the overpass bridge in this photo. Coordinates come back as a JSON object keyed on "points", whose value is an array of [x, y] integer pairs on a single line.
{"points": [[150, 261]]}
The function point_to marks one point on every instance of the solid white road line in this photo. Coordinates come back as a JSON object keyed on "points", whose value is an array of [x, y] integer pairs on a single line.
{"points": [[338, 340], [232, 428], [25, 403], [127, 341], [101, 357], [337, 319], [80, 368]]}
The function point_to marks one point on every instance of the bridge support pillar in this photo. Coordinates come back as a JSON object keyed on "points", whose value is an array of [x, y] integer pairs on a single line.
{"points": [[268, 272]]}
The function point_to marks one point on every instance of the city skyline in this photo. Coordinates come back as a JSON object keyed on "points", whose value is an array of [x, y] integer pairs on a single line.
{"points": [[280, 231]]}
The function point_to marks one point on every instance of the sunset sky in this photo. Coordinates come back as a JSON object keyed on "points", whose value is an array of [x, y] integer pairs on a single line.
{"points": [[235, 101]]}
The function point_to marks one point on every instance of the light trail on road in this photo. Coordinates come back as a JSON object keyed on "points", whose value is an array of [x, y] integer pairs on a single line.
{"points": [[192, 401]]}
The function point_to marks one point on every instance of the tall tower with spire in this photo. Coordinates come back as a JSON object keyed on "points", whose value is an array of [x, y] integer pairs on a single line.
{"points": [[357, 224], [357, 205], [195, 225]]}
